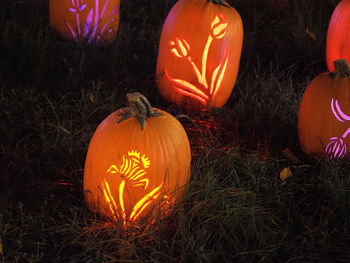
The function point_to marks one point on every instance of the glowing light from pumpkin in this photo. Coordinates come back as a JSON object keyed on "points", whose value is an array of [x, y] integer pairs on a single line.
{"points": [[181, 49], [133, 172], [336, 147], [90, 27], [338, 37]]}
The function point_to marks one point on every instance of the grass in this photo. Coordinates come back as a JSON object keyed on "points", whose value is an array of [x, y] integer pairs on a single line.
{"points": [[236, 209]]}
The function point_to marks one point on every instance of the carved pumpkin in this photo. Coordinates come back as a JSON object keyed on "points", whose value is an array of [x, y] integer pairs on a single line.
{"points": [[88, 20], [138, 160], [324, 114], [338, 36], [199, 53]]}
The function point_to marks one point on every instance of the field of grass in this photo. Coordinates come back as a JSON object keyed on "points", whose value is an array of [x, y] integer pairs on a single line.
{"points": [[236, 208]]}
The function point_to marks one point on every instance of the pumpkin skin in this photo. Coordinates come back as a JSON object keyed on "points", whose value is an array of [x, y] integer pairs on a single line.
{"points": [[338, 35], [129, 171], [85, 20], [199, 53], [324, 114]]}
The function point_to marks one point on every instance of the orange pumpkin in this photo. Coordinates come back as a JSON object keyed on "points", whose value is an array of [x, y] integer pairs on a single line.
{"points": [[199, 53], [338, 36], [88, 20], [324, 114], [138, 160]]}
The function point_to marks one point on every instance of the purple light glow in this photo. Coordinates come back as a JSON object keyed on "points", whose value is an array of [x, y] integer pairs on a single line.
{"points": [[336, 147], [344, 116], [78, 24], [346, 133], [115, 11], [104, 9], [88, 23], [91, 25], [95, 21], [82, 7], [104, 28], [335, 112], [71, 30]]}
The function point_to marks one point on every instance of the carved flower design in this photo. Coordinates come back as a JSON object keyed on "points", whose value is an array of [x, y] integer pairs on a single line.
{"points": [[206, 90], [336, 149], [219, 26], [180, 48], [77, 7], [133, 172]]}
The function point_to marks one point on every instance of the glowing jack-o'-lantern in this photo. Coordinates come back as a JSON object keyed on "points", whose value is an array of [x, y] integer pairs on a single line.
{"points": [[199, 53], [324, 115], [137, 163], [338, 36], [88, 20]]}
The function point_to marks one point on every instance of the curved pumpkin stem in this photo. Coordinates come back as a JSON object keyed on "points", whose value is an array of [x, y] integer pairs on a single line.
{"points": [[341, 69], [219, 2], [139, 108]]}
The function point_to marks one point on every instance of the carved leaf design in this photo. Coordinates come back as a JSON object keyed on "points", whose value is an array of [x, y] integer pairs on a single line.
{"points": [[217, 77], [188, 89], [88, 23]]}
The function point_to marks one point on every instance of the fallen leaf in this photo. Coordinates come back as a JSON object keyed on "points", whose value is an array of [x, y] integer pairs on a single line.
{"points": [[91, 97], [285, 173], [310, 33]]}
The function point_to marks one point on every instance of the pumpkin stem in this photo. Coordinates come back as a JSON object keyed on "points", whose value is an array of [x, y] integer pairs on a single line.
{"points": [[219, 2], [139, 108], [341, 69]]}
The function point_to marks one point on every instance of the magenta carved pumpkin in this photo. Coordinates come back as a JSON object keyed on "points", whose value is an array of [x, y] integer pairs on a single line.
{"points": [[85, 20]]}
